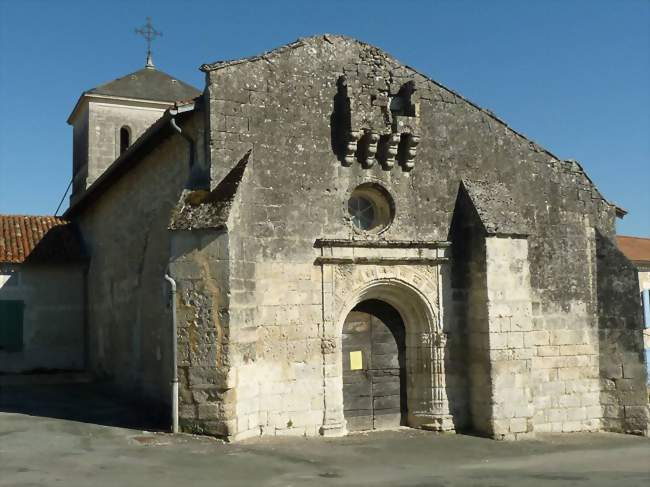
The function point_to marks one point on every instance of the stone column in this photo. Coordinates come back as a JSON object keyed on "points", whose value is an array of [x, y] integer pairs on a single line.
{"points": [[442, 420], [433, 413], [440, 403], [333, 418]]}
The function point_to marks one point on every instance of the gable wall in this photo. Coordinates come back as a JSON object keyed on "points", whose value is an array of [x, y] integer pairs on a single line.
{"points": [[281, 106]]}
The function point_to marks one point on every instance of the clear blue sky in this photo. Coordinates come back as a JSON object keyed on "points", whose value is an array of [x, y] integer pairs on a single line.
{"points": [[573, 75]]}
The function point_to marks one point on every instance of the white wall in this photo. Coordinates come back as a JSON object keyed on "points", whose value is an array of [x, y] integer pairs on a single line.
{"points": [[53, 316]]}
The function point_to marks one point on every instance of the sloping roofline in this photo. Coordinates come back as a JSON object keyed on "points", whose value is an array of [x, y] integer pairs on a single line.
{"points": [[161, 128], [331, 38], [106, 90]]}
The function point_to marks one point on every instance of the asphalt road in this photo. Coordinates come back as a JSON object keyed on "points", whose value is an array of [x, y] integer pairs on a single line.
{"points": [[41, 450]]}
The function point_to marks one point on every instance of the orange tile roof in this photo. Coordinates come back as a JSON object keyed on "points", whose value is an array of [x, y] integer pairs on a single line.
{"points": [[42, 238], [637, 249]]}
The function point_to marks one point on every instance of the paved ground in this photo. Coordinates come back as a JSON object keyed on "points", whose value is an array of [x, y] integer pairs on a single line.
{"points": [[47, 450]]}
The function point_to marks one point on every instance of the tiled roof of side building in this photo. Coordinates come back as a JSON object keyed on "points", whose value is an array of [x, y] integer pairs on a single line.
{"points": [[30, 238], [637, 249]]}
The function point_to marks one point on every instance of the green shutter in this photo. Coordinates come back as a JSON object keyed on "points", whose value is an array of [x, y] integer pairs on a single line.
{"points": [[11, 325]]}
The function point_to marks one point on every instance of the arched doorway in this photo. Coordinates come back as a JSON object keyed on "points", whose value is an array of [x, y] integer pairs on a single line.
{"points": [[374, 367]]}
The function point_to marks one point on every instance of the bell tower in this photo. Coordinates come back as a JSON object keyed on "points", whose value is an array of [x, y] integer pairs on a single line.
{"points": [[108, 119]]}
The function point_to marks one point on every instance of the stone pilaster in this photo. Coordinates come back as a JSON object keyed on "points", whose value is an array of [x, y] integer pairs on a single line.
{"points": [[509, 320]]}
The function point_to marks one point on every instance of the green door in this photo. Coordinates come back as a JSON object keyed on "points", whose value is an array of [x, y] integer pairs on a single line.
{"points": [[11, 325]]}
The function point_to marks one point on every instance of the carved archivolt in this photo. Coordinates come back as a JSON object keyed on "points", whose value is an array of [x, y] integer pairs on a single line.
{"points": [[414, 293], [410, 290]]}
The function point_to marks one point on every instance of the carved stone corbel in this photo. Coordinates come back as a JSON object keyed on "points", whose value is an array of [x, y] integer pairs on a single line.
{"points": [[411, 151], [351, 147], [371, 149], [391, 151]]}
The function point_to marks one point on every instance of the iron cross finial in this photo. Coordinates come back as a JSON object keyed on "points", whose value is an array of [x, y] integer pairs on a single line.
{"points": [[149, 33]]}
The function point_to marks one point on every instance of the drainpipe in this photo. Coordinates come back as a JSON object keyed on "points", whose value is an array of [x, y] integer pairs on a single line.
{"points": [[172, 284], [198, 178], [189, 139]]}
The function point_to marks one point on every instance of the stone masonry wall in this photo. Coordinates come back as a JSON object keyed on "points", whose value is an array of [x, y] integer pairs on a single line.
{"points": [[104, 123], [127, 237], [469, 318], [199, 263], [289, 107], [492, 304], [623, 375], [566, 347], [510, 330]]}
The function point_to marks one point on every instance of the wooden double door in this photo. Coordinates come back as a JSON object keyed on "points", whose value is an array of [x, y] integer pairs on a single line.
{"points": [[374, 392]]}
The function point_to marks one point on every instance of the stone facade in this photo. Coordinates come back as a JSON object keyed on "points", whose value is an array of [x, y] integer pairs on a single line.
{"points": [[496, 254], [126, 234]]}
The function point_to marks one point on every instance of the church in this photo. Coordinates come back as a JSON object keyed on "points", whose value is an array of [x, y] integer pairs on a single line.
{"points": [[324, 240]]}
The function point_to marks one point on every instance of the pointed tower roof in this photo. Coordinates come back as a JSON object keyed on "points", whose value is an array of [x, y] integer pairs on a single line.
{"points": [[147, 84]]}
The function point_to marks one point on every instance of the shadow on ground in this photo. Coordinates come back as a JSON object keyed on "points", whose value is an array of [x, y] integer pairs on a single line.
{"points": [[95, 403]]}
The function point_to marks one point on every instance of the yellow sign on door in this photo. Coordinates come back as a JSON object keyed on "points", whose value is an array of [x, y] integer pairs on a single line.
{"points": [[356, 360]]}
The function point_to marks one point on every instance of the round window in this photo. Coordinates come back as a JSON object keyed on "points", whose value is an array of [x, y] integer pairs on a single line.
{"points": [[370, 208], [362, 211]]}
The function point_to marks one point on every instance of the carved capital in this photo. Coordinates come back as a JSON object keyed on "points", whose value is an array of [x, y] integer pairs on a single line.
{"points": [[328, 345], [440, 339]]}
